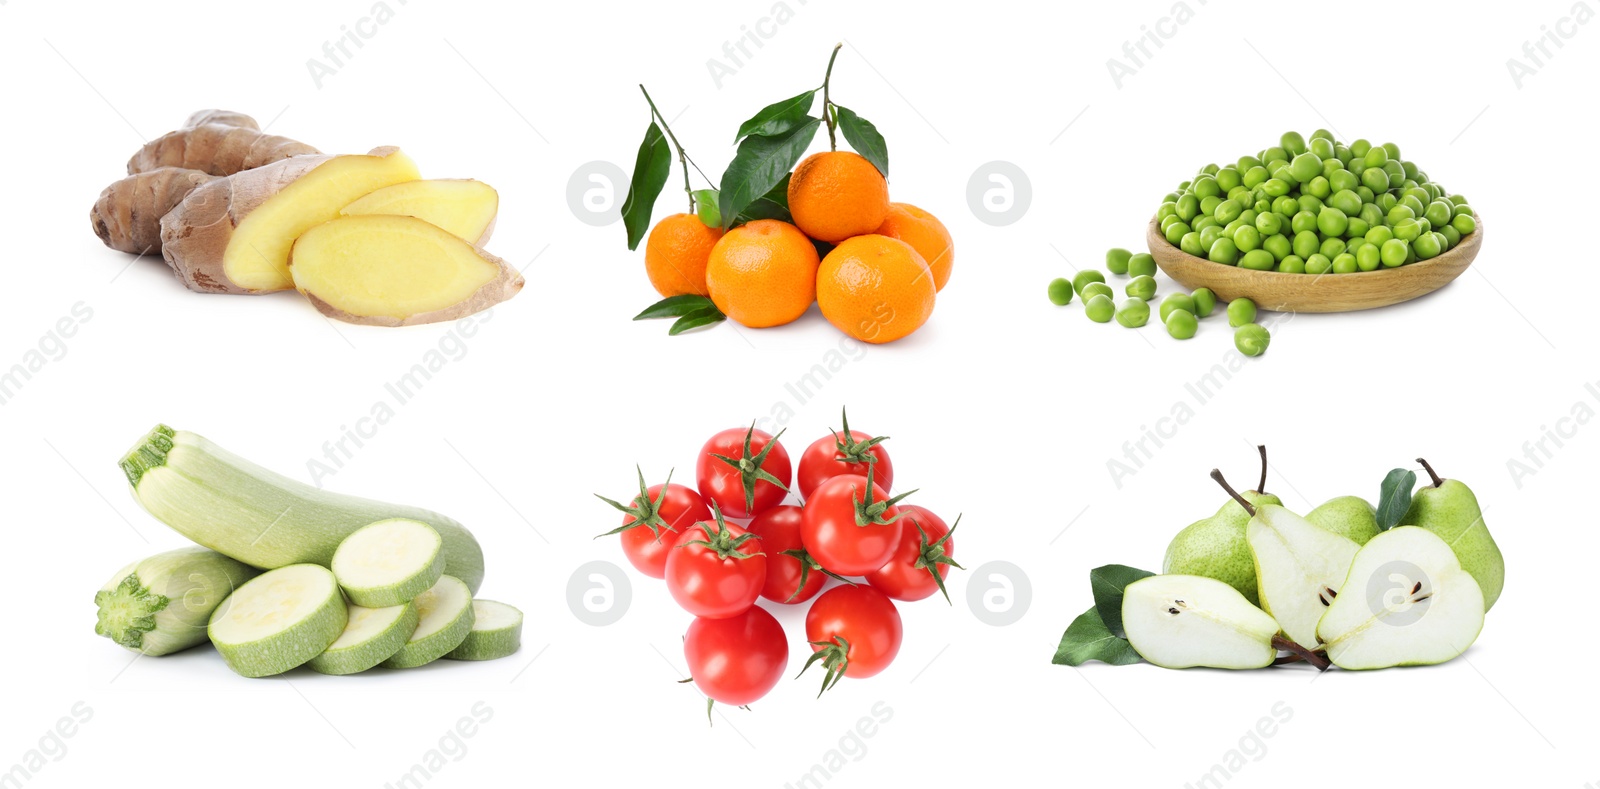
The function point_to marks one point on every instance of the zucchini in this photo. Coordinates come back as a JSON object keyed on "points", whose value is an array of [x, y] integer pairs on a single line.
{"points": [[279, 620], [387, 563], [161, 604], [446, 617], [496, 632], [262, 518], [371, 636]]}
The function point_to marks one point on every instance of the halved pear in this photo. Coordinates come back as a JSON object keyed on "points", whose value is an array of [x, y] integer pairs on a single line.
{"points": [[1182, 621], [1407, 602], [1299, 568]]}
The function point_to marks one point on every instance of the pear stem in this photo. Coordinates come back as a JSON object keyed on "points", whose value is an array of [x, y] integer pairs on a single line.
{"points": [[1261, 487], [1248, 507], [1436, 480], [1298, 653]]}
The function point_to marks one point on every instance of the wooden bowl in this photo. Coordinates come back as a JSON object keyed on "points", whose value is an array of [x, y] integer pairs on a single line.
{"points": [[1281, 292]]}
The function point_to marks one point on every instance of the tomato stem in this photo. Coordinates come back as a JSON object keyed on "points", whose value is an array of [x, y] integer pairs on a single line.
{"points": [[849, 450], [930, 556], [835, 657], [644, 512], [750, 470], [721, 540], [869, 512]]}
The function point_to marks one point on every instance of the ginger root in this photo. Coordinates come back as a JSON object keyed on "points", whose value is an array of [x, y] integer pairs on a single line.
{"points": [[386, 270], [217, 142], [234, 234], [127, 217], [463, 207]]}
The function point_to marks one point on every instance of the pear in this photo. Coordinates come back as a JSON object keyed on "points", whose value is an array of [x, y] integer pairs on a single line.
{"points": [[1182, 621], [1299, 565], [1351, 516], [1449, 509], [1215, 547], [1407, 602]]}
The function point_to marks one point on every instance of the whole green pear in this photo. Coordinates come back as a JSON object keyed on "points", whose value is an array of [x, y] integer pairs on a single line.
{"points": [[1449, 509], [1350, 516], [1215, 547]]}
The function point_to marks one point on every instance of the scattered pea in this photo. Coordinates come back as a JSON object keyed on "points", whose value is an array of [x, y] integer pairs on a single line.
{"points": [[1117, 257], [1142, 287], [1204, 302], [1181, 324], [1095, 289], [1241, 311], [1143, 264], [1060, 291], [1133, 313], [1177, 301], [1252, 339], [1085, 277], [1100, 308]]}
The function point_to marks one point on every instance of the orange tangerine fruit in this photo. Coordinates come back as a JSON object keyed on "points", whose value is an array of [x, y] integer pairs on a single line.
{"points": [[875, 288], [834, 195], [676, 253], [763, 273], [926, 234]]}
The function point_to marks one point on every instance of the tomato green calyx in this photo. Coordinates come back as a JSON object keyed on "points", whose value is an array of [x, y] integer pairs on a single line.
{"points": [[721, 541], [644, 512], [869, 512], [807, 564], [750, 471], [848, 450], [931, 555], [835, 657]]}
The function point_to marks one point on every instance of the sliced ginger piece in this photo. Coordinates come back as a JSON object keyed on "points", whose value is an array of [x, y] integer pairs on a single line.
{"points": [[462, 207], [233, 235], [388, 270]]}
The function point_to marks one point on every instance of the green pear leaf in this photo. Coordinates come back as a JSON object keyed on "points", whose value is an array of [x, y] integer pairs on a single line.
{"points": [[760, 164], [1107, 584], [864, 137], [778, 119], [705, 206], [1087, 638], [1395, 498], [650, 170]]}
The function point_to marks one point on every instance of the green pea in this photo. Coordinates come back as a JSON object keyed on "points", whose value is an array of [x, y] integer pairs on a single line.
{"points": [[1248, 216], [1269, 223], [1117, 259], [1190, 243], [1257, 260], [1322, 147], [1293, 144], [1096, 289], [1438, 212], [1416, 206], [1379, 234], [1188, 206], [1310, 202], [1332, 222], [1386, 202], [1241, 311], [1229, 229], [1342, 153], [1360, 147], [1376, 157], [1207, 186], [1345, 264], [1418, 192], [1457, 200], [1210, 169], [1133, 313], [1427, 246], [1347, 201], [1247, 238], [1292, 264], [1263, 205], [1166, 222], [1181, 324], [1331, 166], [1366, 195], [1278, 244], [1176, 301], [1372, 214], [1274, 154], [1452, 236], [1424, 225], [1461, 209], [1322, 134], [1204, 302], [1464, 223], [1394, 252], [1241, 195], [1343, 181], [1319, 188], [1398, 214], [1203, 222], [1166, 210], [1285, 206], [1252, 339], [1227, 210], [1142, 264], [1084, 277], [1358, 227], [1407, 229], [1246, 162], [1176, 231], [1100, 308], [1209, 236], [1411, 170], [1060, 291], [1141, 287], [1318, 263], [1331, 247], [1305, 166], [1306, 243], [1282, 172], [1256, 176], [1228, 178], [1368, 257], [1223, 251], [1303, 222]]}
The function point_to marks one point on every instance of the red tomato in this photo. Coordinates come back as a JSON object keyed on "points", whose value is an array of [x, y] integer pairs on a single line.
{"points": [[851, 526], [744, 471], [925, 548], [854, 632], [736, 660], [845, 452], [792, 575], [716, 570], [653, 521]]}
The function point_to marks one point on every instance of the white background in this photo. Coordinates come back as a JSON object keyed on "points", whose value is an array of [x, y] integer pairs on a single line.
{"points": [[1003, 407]]}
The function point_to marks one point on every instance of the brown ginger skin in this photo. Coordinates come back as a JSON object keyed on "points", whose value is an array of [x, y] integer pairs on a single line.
{"points": [[217, 142], [127, 217]]}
